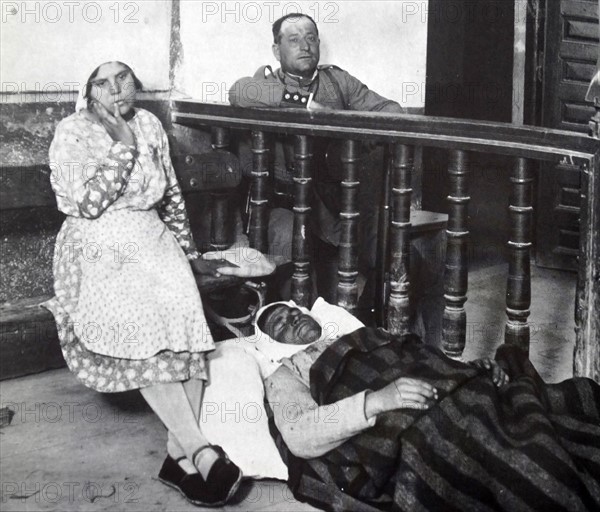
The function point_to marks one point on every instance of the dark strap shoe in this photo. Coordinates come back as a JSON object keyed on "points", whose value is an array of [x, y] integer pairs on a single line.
{"points": [[224, 476], [223, 481]]}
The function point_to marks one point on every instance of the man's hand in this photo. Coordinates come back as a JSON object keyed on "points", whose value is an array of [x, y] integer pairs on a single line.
{"points": [[247, 262], [315, 105], [403, 393], [499, 377], [115, 125]]}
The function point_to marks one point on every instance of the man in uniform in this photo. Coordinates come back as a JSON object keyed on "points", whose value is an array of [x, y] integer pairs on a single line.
{"points": [[301, 82]]}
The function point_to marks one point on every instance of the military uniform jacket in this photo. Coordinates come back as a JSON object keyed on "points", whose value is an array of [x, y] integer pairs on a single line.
{"points": [[330, 86]]}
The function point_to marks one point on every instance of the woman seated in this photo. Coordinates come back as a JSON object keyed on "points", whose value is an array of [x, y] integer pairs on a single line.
{"points": [[126, 302], [372, 421]]}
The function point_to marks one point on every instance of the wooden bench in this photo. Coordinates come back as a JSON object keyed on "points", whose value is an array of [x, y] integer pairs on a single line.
{"points": [[28, 336]]}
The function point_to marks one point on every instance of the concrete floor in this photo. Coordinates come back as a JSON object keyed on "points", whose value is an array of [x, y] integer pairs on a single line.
{"points": [[551, 320], [69, 448]]}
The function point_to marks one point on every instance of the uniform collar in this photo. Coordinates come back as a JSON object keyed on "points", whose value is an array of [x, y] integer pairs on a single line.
{"points": [[298, 81]]}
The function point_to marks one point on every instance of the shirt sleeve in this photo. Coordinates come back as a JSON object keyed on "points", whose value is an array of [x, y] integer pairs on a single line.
{"points": [[172, 208], [85, 186], [361, 98], [310, 430]]}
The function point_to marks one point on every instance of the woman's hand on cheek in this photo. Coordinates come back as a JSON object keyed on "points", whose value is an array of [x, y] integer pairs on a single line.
{"points": [[115, 125]]}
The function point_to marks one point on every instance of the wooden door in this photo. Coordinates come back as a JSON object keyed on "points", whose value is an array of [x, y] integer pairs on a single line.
{"points": [[570, 56]]}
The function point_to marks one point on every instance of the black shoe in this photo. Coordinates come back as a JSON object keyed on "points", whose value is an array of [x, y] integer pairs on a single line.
{"points": [[194, 488], [224, 476], [223, 480]]}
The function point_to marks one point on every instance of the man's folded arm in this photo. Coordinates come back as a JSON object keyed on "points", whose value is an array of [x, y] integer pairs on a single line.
{"points": [[252, 91], [361, 98]]}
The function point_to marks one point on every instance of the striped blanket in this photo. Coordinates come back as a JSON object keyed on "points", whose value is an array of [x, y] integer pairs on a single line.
{"points": [[525, 446]]}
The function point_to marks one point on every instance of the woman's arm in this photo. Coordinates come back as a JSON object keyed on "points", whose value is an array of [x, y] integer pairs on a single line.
{"points": [[172, 209], [84, 186], [310, 430], [173, 213]]}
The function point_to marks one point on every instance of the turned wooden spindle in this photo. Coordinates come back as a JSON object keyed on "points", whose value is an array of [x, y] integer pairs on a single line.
{"points": [[454, 324], [219, 138], [383, 224], [518, 286], [301, 279], [221, 224], [259, 214], [398, 304], [347, 289]]}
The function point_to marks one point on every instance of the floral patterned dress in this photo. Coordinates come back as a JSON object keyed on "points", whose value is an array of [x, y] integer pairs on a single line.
{"points": [[126, 303]]}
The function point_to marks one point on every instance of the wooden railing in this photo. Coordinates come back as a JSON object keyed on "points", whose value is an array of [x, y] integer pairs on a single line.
{"points": [[459, 138]]}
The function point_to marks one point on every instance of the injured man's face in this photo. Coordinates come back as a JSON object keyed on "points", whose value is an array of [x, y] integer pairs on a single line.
{"points": [[286, 324]]}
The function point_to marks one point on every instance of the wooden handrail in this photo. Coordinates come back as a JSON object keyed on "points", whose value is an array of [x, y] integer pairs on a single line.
{"points": [[444, 132]]}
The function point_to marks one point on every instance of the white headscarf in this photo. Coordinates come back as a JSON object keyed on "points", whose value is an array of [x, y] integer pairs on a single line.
{"points": [[81, 100]]}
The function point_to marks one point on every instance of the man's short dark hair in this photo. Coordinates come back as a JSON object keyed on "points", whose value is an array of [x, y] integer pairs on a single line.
{"points": [[261, 323], [279, 22]]}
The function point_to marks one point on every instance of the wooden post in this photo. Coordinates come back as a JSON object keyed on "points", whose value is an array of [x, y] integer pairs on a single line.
{"points": [[518, 286], [347, 289], [301, 279], [398, 306], [454, 326], [259, 220], [587, 300], [519, 47]]}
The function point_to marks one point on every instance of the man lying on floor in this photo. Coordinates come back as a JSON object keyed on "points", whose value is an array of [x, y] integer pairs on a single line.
{"points": [[369, 421]]}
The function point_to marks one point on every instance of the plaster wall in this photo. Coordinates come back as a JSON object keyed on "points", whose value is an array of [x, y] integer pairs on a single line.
{"points": [[50, 46], [384, 44]]}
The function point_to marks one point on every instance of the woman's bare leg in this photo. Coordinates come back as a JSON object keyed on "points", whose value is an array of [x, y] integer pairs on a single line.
{"points": [[194, 388], [171, 404]]}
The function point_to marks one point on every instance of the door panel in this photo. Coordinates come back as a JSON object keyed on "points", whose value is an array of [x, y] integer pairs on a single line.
{"points": [[571, 52]]}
